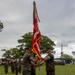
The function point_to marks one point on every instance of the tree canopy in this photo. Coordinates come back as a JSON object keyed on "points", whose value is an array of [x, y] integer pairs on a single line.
{"points": [[45, 42], [26, 41], [1, 26], [66, 57]]}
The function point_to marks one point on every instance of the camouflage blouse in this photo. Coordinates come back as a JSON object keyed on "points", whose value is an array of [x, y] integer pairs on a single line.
{"points": [[50, 63]]}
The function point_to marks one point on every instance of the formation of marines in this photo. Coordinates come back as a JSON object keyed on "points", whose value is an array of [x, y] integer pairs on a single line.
{"points": [[29, 63], [15, 66]]}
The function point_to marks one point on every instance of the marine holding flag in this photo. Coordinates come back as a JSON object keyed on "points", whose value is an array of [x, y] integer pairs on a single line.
{"points": [[49, 59], [28, 59], [35, 38]]}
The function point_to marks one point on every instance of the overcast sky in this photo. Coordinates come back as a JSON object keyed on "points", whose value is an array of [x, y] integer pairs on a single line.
{"points": [[57, 20]]}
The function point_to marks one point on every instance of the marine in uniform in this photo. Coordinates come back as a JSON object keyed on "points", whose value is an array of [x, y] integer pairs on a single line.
{"points": [[28, 61], [12, 65], [49, 61], [6, 64], [33, 68], [16, 66]]}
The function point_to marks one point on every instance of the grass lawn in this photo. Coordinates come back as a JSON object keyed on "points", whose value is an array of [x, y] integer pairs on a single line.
{"points": [[68, 69]]}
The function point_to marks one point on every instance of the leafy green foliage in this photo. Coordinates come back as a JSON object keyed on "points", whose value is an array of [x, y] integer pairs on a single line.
{"points": [[66, 56], [73, 52], [1, 26], [26, 41], [7, 54], [45, 42]]}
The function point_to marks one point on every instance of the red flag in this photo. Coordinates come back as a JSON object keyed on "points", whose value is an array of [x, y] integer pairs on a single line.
{"points": [[36, 32]]}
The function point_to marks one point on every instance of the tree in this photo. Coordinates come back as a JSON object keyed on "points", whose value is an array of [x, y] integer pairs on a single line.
{"points": [[45, 42], [26, 41], [7, 54], [73, 52], [1, 26], [13, 53], [16, 53], [54, 52], [66, 57]]}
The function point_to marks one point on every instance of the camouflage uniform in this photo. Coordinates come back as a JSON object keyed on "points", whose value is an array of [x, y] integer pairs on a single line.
{"points": [[12, 66], [33, 68], [16, 67], [6, 66], [26, 64], [19, 66], [50, 67]]}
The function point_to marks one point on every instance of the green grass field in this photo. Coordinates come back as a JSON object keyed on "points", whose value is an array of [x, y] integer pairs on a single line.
{"points": [[68, 69]]}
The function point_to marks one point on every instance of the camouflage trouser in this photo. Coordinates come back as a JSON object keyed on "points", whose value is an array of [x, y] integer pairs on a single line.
{"points": [[26, 72], [6, 70], [50, 73], [16, 70]]}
